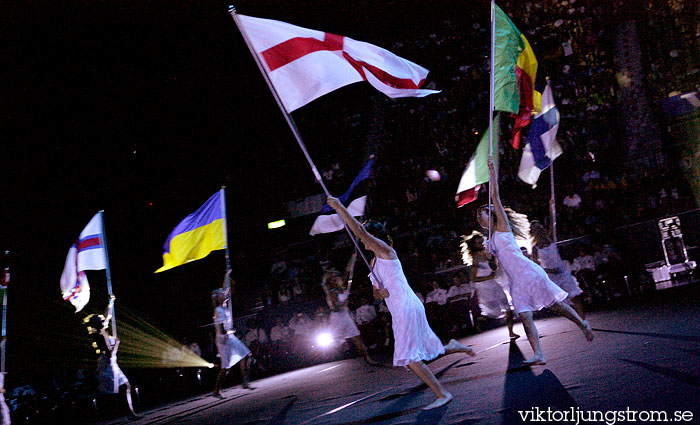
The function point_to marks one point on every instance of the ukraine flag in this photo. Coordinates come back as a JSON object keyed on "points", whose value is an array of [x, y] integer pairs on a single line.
{"points": [[197, 235]]}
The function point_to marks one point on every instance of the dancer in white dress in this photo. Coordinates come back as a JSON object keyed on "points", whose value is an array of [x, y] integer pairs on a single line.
{"points": [[545, 252], [531, 289], [109, 376], [231, 349], [493, 300], [414, 341], [337, 296]]}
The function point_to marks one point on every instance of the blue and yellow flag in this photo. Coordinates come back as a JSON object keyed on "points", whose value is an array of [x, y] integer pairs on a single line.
{"points": [[197, 235]]}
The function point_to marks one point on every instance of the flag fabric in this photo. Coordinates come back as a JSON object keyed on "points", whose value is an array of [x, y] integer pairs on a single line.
{"points": [[328, 223], [477, 171], [304, 64], [5, 278], [515, 68], [361, 176], [87, 253], [197, 235], [541, 148], [530, 99]]}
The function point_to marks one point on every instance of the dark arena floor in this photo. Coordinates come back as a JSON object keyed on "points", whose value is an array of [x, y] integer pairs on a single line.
{"points": [[642, 367]]}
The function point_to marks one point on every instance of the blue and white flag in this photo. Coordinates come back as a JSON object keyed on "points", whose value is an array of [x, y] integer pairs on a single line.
{"points": [[541, 148], [328, 223]]}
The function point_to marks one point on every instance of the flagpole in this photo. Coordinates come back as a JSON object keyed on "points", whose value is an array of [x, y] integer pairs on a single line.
{"points": [[553, 202], [3, 341], [551, 184], [227, 279], [295, 130], [103, 240], [492, 97], [223, 214]]}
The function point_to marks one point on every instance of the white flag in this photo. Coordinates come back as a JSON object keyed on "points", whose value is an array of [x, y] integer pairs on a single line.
{"points": [[333, 222], [304, 64], [87, 253]]}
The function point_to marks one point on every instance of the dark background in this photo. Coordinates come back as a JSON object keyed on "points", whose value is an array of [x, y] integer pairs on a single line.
{"points": [[145, 109]]}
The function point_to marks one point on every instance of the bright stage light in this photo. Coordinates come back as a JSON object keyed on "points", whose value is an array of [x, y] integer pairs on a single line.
{"points": [[276, 224], [324, 339], [145, 346]]}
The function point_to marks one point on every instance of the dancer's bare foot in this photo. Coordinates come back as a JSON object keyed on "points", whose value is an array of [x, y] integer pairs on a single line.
{"points": [[514, 336], [587, 330], [440, 401], [455, 347], [536, 360], [218, 395]]}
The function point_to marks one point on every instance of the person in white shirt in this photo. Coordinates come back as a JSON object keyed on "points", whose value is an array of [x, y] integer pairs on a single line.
{"points": [[437, 295], [459, 290], [458, 302], [436, 308], [280, 343]]}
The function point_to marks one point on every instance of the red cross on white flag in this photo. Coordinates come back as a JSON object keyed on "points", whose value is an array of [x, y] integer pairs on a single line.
{"points": [[305, 64]]}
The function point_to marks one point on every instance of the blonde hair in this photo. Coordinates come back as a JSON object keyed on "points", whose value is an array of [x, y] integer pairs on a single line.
{"points": [[468, 247], [518, 223]]}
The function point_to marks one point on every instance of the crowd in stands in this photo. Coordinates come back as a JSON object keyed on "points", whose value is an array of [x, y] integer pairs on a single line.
{"points": [[573, 41]]}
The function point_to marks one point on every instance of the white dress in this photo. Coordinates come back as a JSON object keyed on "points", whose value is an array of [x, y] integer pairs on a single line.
{"points": [[109, 376], [231, 349], [493, 301], [341, 324], [550, 259], [4, 410], [531, 289], [414, 341]]}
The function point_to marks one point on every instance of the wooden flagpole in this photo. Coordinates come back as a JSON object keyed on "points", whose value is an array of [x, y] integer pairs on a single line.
{"points": [[295, 131]]}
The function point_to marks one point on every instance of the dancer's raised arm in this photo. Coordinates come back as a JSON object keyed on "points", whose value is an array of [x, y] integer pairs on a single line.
{"points": [[108, 310], [502, 224]]}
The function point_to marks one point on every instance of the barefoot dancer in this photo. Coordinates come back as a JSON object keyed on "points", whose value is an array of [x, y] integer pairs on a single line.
{"points": [[337, 295], [414, 341], [493, 301], [231, 349], [531, 289]]}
